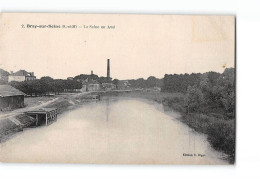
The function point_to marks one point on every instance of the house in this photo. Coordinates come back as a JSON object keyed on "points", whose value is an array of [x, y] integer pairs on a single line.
{"points": [[70, 78], [123, 85], [108, 86], [4, 76], [90, 85], [21, 75], [10, 98], [93, 85]]}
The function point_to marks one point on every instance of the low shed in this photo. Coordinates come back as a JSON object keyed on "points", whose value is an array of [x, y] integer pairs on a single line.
{"points": [[43, 116], [10, 98]]}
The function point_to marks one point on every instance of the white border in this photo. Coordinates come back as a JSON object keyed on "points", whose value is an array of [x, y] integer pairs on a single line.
{"points": [[248, 120]]}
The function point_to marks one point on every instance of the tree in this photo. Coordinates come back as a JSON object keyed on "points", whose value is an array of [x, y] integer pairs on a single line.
{"points": [[115, 82], [194, 99], [227, 83], [47, 79], [180, 82], [45, 83], [58, 86]]}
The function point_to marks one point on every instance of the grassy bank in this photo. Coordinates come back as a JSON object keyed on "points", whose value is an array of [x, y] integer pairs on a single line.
{"points": [[9, 128], [220, 132]]}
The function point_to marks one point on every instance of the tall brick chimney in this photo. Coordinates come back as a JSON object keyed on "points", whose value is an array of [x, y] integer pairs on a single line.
{"points": [[108, 69]]}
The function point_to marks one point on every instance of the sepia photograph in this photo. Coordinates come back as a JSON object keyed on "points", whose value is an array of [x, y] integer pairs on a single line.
{"points": [[117, 89]]}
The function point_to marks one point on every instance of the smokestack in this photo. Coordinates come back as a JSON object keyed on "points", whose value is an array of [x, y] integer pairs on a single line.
{"points": [[91, 72], [108, 68]]}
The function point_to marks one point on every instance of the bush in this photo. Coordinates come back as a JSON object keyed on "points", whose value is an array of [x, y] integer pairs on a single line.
{"points": [[221, 135]]}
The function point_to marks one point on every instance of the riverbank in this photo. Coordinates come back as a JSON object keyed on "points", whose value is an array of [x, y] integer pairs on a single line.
{"points": [[219, 131], [15, 121]]}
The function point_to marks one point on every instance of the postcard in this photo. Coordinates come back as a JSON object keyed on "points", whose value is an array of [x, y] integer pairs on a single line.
{"points": [[117, 88]]}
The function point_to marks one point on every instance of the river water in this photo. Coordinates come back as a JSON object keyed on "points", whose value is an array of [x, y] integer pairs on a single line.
{"points": [[113, 130]]}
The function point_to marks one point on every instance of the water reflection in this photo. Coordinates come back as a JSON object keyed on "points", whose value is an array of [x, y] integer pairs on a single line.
{"points": [[107, 101]]}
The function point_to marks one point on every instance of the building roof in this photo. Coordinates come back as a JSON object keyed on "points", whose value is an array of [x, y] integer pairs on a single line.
{"points": [[41, 110], [7, 90], [21, 73], [3, 72]]}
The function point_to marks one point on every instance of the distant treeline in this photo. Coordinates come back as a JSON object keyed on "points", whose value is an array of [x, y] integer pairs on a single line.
{"points": [[180, 82], [150, 82], [46, 85]]}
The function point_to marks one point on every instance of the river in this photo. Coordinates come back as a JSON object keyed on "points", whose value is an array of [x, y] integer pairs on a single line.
{"points": [[115, 131]]}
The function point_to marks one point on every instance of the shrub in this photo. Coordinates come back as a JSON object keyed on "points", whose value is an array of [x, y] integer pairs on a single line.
{"points": [[221, 136]]}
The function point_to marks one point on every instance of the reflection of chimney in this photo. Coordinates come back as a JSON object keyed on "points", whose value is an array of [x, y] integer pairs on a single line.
{"points": [[91, 72], [108, 68]]}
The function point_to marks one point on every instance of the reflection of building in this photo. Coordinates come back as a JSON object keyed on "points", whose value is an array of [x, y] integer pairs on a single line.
{"points": [[21, 75], [10, 98], [123, 85], [90, 85]]}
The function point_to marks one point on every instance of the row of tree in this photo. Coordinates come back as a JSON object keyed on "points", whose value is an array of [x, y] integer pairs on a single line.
{"points": [[46, 85], [180, 82], [150, 82]]}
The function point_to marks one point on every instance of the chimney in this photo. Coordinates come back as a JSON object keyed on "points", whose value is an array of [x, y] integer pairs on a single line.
{"points": [[12, 72], [91, 72], [32, 73], [108, 68]]}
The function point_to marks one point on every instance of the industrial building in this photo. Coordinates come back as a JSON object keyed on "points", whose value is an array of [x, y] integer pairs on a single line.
{"points": [[90, 85], [10, 98]]}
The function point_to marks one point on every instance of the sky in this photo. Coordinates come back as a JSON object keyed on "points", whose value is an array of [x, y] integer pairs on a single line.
{"points": [[138, 47]]}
